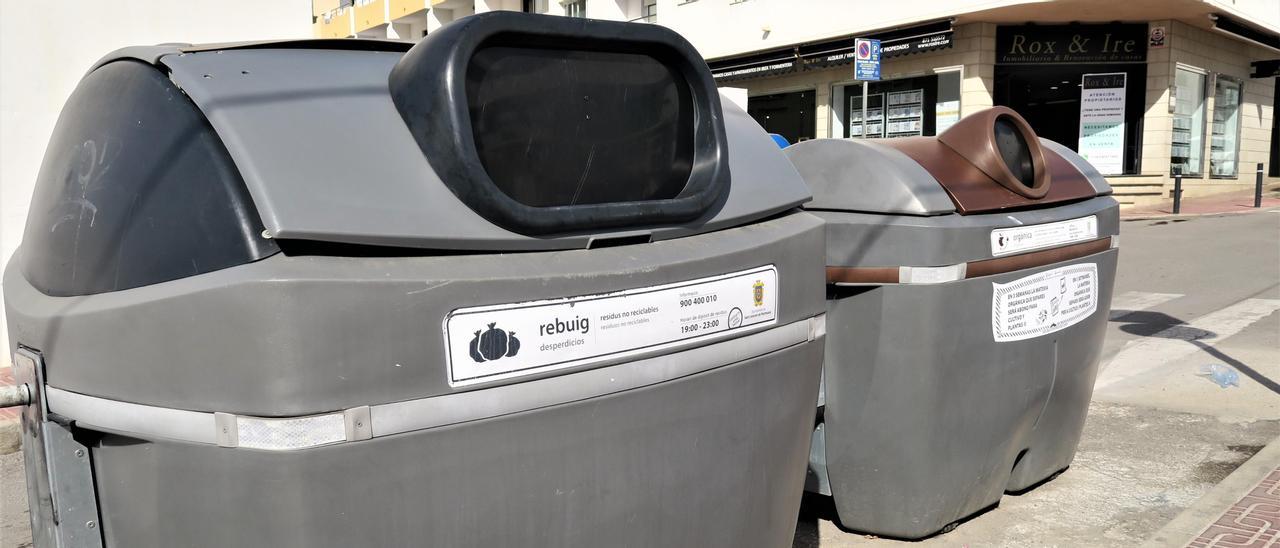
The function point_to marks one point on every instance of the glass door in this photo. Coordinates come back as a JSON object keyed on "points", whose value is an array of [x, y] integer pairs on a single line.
{"points": [[1187, 151], [1224, 144]]}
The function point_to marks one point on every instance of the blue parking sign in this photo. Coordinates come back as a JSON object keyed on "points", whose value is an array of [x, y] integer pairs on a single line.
{"points": [[866, 61]]}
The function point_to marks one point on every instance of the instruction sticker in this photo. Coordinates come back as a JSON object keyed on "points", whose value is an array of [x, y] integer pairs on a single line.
{"points": [[1024, 238], [1043, 303], [487, 343]]}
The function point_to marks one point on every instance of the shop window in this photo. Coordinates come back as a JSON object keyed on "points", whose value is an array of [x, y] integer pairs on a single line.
{"points": [[895, 108], [1051, 98], [947, 106], [873, 128], [650, 14], [575, 8], [1224, 144], [1187, 152]]}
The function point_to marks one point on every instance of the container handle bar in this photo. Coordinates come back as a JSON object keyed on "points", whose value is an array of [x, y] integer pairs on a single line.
{"points": [[15, 396]]}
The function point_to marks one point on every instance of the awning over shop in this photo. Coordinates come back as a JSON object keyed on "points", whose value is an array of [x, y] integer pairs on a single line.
{"points": [[828, 53], [894, 43], [1228, 25], [770, 63]]}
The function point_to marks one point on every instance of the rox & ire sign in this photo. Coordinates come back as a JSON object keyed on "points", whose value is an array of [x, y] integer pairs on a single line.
{"points": [[1039, 44]]}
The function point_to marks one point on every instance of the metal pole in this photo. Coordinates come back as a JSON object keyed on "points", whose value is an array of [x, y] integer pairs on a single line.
{"points": [[1257, 188], [864, 109], [13, 396], [1177, 192]]}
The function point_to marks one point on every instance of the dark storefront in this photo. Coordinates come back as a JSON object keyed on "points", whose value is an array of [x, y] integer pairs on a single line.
{"points": [[792, 114], [787, 114], [1274, 170], [1270, 68], [1040, 68], [909, 103], [903, 107]]}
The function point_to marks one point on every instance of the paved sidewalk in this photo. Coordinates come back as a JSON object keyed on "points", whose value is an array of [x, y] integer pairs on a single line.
{"points": [[1242, 511], [1137, 468], [10, 438], [1231, 202]]}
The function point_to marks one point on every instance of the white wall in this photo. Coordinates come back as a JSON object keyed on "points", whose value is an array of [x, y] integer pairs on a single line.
{"points": [[613, 10], [718, 28], [482, 6], [45, 47]]}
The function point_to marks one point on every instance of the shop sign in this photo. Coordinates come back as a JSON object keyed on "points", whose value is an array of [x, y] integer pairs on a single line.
{"points": [[843, 52], [1043, 44], [831, 53], [1102, 121], [894, 48], [755, 71]]}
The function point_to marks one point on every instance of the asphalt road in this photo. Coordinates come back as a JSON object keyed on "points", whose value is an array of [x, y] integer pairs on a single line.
{"points": [[1190, 292]]}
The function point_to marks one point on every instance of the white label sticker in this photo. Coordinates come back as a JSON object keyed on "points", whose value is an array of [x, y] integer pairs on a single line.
{"points": [[487, 343], [1043, 303], [1014, 240]]}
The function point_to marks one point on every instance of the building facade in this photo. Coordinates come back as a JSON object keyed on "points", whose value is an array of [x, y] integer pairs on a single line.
{"points": [[413, 19], [1146, 89]]}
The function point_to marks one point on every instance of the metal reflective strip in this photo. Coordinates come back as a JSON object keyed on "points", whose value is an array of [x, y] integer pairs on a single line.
{"points": [[132, 418], [877, 275], [146, 421], [931, 274], [407, 416], [1036, 259]]}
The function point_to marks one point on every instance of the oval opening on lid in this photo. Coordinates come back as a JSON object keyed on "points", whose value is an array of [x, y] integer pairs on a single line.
{"points": [[1014, 151], [1000, 144], [548, 125], [566, 127]]}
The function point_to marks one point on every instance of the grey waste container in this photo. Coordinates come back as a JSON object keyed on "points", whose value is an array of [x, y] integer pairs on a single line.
{"points": [[969, 281], [526, 283]]}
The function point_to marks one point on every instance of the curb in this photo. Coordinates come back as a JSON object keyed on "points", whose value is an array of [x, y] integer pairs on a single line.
{"points": [[1166, 216], [1196, 520]]}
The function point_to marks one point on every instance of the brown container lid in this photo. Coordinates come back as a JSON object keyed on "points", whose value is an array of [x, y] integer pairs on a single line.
{"points": [[966, 160]]}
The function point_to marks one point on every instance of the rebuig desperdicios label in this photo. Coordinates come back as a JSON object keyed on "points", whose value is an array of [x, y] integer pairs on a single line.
{"points": [[1043, 303], [487, 343]]}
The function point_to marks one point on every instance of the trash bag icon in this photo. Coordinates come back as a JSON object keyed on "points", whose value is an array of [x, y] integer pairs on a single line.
{"points": [[513, 344], [475, 349], [493, 343]]}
